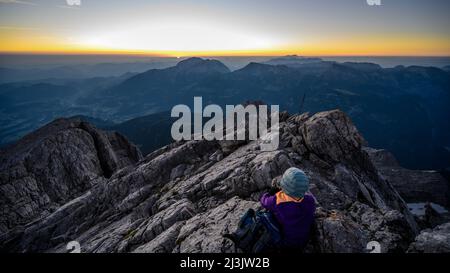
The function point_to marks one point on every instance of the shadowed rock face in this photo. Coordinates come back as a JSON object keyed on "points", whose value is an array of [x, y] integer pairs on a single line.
{"points": [[413, 185], [183, 197]]}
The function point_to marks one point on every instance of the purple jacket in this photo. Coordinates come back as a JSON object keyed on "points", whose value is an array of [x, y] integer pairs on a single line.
{"points": [[295, 217]]}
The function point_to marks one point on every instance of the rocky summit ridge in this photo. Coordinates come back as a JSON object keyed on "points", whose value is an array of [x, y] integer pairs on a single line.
{"points": [[71, 181]]}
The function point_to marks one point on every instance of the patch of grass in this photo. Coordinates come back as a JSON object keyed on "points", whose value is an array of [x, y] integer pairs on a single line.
{"points": [[130, 233]]}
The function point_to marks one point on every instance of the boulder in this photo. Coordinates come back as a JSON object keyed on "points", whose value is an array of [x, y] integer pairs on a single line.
{"points": [[435, 240]]}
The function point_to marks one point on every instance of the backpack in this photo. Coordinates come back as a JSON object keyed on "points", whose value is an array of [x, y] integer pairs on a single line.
{"points": [[257, 232]]}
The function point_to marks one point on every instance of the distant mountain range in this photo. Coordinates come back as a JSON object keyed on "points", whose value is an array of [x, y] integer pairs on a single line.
{"points": [[77, 71], [292, 61], [403, 109]]}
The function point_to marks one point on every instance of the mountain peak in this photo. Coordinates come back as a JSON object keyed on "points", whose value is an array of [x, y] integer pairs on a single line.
{"points": [[261, 68], [199, 65], [190, 62]]}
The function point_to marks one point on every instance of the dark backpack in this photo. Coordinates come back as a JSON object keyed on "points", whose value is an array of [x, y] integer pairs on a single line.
{"points": [[257, 232]]}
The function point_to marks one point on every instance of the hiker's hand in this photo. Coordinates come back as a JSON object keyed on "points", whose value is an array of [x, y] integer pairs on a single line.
{"points": [[273, 190]]}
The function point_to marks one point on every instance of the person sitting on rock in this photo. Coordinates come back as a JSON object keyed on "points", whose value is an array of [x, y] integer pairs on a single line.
{"points": [[293, 207]]}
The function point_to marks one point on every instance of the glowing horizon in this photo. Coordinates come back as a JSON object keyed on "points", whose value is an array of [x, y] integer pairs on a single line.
{"points": [[226, 28]]}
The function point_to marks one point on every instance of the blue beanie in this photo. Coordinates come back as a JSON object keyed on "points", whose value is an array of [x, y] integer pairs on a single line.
{"points": [[294, 182]]}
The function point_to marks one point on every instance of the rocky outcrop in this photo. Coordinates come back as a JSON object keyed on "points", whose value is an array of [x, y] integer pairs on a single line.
{"points": [[413, 185], [435, 240], [185, 196], [55, 164]]}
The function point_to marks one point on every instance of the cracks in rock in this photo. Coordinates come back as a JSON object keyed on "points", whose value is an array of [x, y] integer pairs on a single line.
{"points": [[106, 168]]}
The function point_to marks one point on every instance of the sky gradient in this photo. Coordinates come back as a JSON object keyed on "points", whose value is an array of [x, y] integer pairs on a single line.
{"points": [[212, 27]]}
